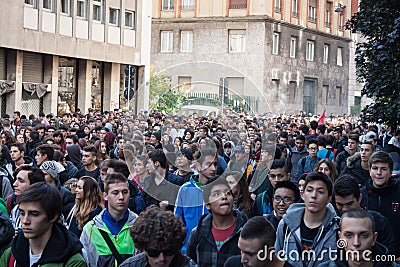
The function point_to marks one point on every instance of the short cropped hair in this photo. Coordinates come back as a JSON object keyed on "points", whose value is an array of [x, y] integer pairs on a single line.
{"points": [[35, 174], [92, 149], [381, 157], [21, 147], [202, 153], [119, 166], [319, 176], [277, 164], [47, 195], [291, 186], [210, 184], [346, 185], [259, 228], [358, 214], [46, 149], [114, 178], [159, 155]]}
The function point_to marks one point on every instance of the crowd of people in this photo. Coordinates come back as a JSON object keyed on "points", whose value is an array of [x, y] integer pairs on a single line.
{"points": [[116, 189]]}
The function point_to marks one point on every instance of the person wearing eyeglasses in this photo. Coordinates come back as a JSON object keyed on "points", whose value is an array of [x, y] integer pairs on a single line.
{"points": [[285, 194], [308, 163], [160, 235]]}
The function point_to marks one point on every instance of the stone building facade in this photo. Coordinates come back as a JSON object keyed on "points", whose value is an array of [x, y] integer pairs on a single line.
{"points": [[290, 55], [60, 55]]}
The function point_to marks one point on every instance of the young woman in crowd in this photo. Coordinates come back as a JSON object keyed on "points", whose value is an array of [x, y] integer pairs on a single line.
{"points": [[326, 166], [88, 204], [240, 191], [102, 154]]}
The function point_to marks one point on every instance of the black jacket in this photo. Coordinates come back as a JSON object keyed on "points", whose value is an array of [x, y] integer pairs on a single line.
{"points": [[386, 201], [202, 248], [6, 232], [354, 169], [385, 232], [61, 246]]}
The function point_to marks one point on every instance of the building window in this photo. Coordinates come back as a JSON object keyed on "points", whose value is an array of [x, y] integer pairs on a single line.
{"points": [[341, 21], [275, 43], [97, 10], [324, 94], [357, 100], [338, 99], [295, 13], [237, 4], [310, 51], [237, 40], [129, 19], [32, 3], [186, 41], [167, 41], [293, 47], [292, 92], [339, 56], [328, 15], [48, 4], [275, 88], [311, 14], [167, 5], [278, 6], [187, 4], [326, 54], [66, 7], [81, 8], [114, 17]]}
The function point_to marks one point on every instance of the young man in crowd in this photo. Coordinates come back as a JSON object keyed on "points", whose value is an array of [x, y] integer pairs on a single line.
{"points": [[43, 240], [25, 177], [349, 150], [308, 163], [357, 231], [310, 227], [298, 151], [183, 162], [161, 186], [44, 153], [189, 202], [106, 238], [215, 238], [257, 235], [18, 158], [347, 197], [89, 156], [263, 203], [357, 165], [382, 193], [285, 194]]}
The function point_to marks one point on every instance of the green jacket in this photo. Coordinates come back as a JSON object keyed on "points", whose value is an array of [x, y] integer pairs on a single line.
{"points": [[99, 254]]}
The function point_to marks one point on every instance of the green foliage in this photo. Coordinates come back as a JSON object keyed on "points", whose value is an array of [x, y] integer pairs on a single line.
{"points": [[162, 97], [378, 58]]}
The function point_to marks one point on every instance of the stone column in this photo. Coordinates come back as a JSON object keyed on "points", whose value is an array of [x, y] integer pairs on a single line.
{"points": [[84, 85], [51, 77], [14, 73], [111, 86]]}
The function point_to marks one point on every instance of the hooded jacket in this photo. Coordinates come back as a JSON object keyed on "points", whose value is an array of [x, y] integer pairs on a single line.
{"points": [[385, 201], [6, 231], [292, 161], [202, 248], [6, 188], [376, 249], [190, 205], [62, 249], [99, 254], [288, 237], [10, 167], [341, 160], [353, 167], [75, 156]]}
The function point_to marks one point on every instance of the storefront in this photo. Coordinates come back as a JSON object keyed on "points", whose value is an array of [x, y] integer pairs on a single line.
{"points": [[97, 85], [67, 89]]}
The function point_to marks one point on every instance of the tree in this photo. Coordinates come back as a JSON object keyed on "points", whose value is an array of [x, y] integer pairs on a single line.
{"points": [[378, 58], [162, 96]]}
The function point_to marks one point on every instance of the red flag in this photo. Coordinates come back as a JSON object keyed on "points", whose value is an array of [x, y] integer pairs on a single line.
{"points": [[322, 118]]}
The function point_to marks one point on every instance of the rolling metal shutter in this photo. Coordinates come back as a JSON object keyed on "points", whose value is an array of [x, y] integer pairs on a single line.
{"points": [[3, 66], [32, 68]]}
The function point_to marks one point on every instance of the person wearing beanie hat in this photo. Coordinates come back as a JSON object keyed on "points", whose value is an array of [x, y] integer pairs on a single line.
{"points": [[155, 139], [50, 171]]}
